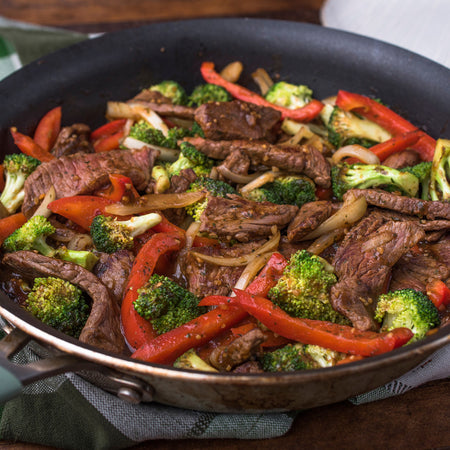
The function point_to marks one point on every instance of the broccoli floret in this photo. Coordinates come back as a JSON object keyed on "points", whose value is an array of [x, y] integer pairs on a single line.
{"points": [[213, 188], [440, 172], [59, 304], [166, 304], [423, 172], [190, 360], [289, 190], [303, 289], [289, 95], [171, 89], [144, 132], [161, 177], [289, 358], [32, 235], [191, 158], [17, 168], [110, 235], [363, 176], [293, 357], [343, 126], [407, 308], [207, 93]]}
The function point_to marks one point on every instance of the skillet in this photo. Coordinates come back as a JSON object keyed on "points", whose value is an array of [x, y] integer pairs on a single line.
{"points": [[116, 66]]}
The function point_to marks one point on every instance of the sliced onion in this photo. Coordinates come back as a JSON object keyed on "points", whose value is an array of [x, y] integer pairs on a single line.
{"points": [[232, 71], [302, 133], [80, 242], [235, 177], [330, 100], [325, 241], [355, 151], [263, 80], [191, 232], [251, 270], [266, 177], [349, 213], [270, 246], [135, 111], [49, 197], [165, 154], [155, 201]]}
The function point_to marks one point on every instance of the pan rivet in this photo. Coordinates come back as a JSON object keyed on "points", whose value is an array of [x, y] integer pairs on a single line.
{"points": [[129, 395]]}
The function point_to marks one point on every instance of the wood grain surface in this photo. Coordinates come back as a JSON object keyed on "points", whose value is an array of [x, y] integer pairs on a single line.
{"points": [[418, 419]]}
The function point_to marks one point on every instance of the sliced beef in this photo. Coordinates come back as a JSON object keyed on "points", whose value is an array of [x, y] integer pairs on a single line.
{"points": [[249, 367], [113, 271], [73, 139], [203, 278], [363, 264], [102, 329], [237, 120], [162, 105], [83, 173], [230, 355], [309, 217], [415, 269], [430, 210], [236, 162], [441, 250], [244, 220], [302, 159], [406, 158]]}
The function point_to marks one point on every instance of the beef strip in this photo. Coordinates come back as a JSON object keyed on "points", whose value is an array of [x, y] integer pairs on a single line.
{"points": [[416, 207], [406, 158], [441, 250], [203, 278], [249, 367], [237, 120], [309, 217], [73, 139], [113, 271], [301, 159], [415, 269], [363, 265], [244, 220], [102, 329], [237, 162], [230, 355], [83, 173], [162, 105]]}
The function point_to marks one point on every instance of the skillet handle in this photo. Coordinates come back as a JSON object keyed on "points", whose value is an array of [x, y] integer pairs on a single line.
{"points": [[13, 377]]}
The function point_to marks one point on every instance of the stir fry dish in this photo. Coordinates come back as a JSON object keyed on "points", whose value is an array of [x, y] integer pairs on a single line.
{"points": [[229, 229]]}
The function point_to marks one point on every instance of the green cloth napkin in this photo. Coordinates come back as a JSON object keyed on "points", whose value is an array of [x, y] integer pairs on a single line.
{"points": [[66, 411]]}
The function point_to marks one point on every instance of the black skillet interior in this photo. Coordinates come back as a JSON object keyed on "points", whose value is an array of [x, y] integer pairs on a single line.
{"points": [[82, 78]]}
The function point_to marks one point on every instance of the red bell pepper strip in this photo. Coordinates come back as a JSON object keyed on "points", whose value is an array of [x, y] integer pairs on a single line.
{"points": [[108, 129], [386, 118], [108, 143], [10, 224], [396, 144], [48, 129], [80, 209], [167, 347], [29, 147], [138, 330], [121, 186], [439, 293], [340, 338], [304, 114]]}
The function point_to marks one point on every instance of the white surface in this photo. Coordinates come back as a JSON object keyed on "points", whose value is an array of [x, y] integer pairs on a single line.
{"points": [[421, 26]]}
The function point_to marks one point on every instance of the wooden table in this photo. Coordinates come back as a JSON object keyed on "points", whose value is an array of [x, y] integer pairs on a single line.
{"points": [[418, 419]]}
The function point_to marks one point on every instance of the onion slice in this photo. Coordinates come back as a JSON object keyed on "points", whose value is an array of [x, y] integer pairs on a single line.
{"points": [[266, 177], [350, 213], [165, 154], [325, 241], [263, 80], [355, 151], [48, 198], [270, 246], [155, 201], [235, 177], [232, 71], [251, 270]]}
